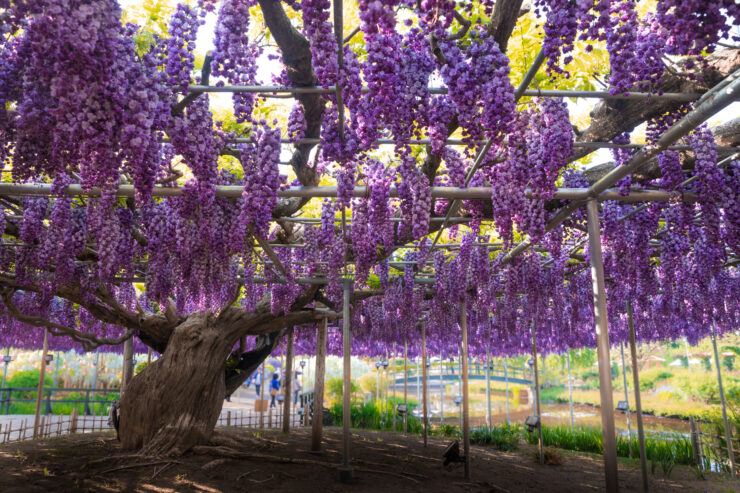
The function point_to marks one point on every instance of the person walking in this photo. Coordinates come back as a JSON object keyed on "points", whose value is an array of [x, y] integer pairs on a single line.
{"points": [[257, 383], [274, 389]]}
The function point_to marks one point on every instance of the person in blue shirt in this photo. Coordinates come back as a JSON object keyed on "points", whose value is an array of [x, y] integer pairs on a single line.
{"points": [[274, 388]]}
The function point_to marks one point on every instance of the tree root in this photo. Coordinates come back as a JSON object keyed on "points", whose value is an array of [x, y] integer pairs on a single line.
{"points": [[140, 464], [237, 454]]}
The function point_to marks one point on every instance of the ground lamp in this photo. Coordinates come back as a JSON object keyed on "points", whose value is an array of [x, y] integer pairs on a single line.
{"points": [[622, 406]]}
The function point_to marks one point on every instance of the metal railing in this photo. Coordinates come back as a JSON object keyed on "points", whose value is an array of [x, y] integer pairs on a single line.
{"points": [[90, 402]]}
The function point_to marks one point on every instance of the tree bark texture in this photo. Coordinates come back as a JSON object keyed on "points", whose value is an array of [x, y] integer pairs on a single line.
{"points": [[175, 402]]}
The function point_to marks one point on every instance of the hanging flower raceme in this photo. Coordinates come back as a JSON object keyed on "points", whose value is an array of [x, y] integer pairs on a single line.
{"points": [[234, 56]]}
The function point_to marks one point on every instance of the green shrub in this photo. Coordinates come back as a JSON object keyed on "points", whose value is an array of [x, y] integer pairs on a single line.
{"points": [[27, 379], [335, 387], [504, 437]]}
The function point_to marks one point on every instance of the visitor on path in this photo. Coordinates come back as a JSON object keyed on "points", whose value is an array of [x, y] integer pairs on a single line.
{"points": [[297, 387], [257, 382], [274, 388]]}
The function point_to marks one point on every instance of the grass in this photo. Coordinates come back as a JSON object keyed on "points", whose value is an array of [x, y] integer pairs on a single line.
{"points": [[666, 451]]}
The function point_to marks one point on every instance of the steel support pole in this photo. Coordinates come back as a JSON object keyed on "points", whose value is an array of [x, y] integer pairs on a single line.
{"points": [[345, 472], [506, 380], [393, 379], [5, 374], [570, 394], [488, 389], [441, 391], [262, 394], [538, 409], [626, 397], [288, 387], [602, 341], [95, 379], [40, 391], [318, 386], [405, 385], [728, 430], [424, 377], [638, 400], [465, 393]]}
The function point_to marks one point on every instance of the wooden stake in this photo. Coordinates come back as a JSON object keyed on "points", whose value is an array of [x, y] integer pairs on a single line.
{"points": [[318, 387], [41, 384]]}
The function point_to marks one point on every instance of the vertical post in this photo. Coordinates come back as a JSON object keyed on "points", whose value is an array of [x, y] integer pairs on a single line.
{"points": [[393, 378], [95, 379], [41, 384], [148, 356], [570, 393], [345, 472], [405, 385], [460, 381], [424, 377], [728, 431], [418, 381], [262, 395], [128, 363], [626, 397], [538, 411], [318, 388], [441, 390], [638, 400], [6, 360], [288, 382], [506, 379], [602, 341], [488, 389], [464, 362]]}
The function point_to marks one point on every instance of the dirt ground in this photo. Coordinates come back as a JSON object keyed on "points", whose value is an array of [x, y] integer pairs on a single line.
{"points": [[249, 460]]}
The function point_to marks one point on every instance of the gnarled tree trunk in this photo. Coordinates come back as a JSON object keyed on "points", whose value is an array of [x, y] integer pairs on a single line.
{"points": [[175, 402]]}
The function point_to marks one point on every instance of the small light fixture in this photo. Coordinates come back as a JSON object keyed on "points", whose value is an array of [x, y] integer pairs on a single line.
{"points": [[49, 358], [623, 406], [303, 363], [532, 423], [530, 362], [378, 364], [402, 409], [457, 400], [385, 364], [7, 359]]}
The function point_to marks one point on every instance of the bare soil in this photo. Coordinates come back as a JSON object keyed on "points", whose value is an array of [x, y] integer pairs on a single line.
{"points": [[252, 460]]}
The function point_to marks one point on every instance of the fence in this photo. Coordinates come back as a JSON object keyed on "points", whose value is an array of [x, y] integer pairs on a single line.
{"points": [[709, 443], [54, 425], [91, 403]]}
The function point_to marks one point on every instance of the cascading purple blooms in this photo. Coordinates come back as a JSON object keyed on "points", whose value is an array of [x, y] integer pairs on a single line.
{"points": [[478, 83], [234, 56]]}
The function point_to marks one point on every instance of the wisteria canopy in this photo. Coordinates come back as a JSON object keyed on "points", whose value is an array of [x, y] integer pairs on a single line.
{"points": [[138, 212]]}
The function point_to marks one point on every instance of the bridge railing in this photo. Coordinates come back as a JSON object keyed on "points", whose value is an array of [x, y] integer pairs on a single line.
{"points": [[93, 398]]}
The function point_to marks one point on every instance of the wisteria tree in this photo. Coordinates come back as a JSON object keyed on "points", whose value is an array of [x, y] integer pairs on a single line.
{"points": [[136, 230]]}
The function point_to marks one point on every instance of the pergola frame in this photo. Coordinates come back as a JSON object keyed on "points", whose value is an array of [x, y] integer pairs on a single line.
{"points": [[707, 105]]}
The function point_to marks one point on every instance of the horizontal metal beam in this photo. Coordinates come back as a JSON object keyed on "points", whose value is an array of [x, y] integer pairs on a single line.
{"points": [[547, 93], [235, 191]]}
